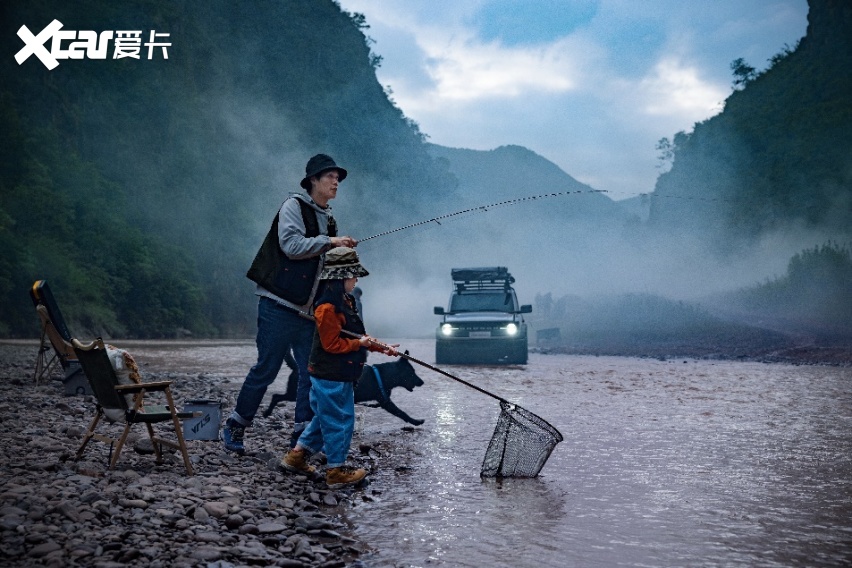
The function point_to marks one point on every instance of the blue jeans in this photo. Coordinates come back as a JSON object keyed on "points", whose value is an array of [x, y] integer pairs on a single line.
{"points": [[333, 404], [278, 331]]}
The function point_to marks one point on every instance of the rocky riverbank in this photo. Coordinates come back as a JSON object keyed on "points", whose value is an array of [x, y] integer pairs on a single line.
{"points": [[57, 511]]}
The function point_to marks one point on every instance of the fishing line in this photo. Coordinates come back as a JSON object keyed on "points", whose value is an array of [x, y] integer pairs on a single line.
{"points": [[485, 208], [654, 195], [479, 209]]}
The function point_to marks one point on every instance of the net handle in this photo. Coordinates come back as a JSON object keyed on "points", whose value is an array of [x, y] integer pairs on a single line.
{"points": [[415, 360]]}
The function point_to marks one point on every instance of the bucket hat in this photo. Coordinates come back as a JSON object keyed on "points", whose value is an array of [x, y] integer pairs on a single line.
{"points": [[342, 263], [318, 164]]}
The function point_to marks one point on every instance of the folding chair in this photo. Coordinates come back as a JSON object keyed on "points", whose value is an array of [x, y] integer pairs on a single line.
{"points": [[110, 395], [54, 331]]}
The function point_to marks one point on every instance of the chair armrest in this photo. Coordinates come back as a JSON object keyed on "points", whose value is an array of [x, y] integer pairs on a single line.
{"points": [[132, 388]]}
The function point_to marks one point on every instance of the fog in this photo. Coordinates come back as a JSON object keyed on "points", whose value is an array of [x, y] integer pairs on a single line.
{"points": [[577, 243], [410, 269]]}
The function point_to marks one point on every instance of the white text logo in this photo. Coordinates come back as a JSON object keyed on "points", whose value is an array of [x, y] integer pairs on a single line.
{"points": [[71, 44]]}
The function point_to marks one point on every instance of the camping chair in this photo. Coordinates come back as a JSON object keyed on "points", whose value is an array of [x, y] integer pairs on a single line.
{"points": [[53, 330], [110, 395]]}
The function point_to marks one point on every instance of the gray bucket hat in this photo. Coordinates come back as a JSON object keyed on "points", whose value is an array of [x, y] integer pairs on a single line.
{"points": [[342, 263], [317, 165]]}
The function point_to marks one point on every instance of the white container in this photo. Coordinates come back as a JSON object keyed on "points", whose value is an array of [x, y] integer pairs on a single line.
{"points": [[205, 426]]}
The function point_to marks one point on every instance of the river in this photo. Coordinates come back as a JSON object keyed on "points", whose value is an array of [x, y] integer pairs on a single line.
{"points": [[664, 463]]}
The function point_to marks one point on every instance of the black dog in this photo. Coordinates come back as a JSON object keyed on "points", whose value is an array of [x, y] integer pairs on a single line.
{"points": [[398, 373]]}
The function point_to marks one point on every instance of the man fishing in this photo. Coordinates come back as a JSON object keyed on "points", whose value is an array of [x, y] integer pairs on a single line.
{"points": [[287, 269]]}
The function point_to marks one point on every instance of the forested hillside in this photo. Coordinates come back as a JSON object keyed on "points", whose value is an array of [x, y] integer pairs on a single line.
{"points": [[778, 159], [141, 188]]}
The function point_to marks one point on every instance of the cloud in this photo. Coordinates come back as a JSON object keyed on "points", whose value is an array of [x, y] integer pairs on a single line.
{"points": [[466, 71], [591, 87], [675, 89]]}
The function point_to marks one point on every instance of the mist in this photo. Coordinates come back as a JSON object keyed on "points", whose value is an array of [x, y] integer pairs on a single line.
{"points": [[410, 269]]}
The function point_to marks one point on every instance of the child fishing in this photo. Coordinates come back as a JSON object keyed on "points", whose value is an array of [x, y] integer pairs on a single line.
{"points": [[337, 357]]}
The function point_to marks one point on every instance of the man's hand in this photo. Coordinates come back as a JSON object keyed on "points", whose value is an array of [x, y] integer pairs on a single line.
{"points": [[344, 242]]}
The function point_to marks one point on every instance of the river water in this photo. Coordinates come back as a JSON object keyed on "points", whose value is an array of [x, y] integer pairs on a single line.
{"points": [[664, 463]]}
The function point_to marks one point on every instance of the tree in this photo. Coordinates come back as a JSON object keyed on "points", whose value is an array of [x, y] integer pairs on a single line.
{"points": [[743, 73], [668, 148]]}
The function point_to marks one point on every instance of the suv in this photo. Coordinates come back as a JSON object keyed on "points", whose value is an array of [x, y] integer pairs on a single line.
{"points": [[483, 323]]}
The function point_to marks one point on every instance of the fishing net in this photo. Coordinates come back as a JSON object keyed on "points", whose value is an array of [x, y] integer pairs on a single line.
{"points": [[521, 444]]}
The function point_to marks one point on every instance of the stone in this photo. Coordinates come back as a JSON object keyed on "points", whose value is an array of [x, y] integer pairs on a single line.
{"points": [[271, 528], [129, 503], [234, 521], [216, 509], [207, 553], [44, 549], [312, 523]]}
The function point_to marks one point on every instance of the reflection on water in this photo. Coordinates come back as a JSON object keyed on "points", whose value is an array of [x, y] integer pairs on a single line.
{"points": [[664, 463], [231, 358]]}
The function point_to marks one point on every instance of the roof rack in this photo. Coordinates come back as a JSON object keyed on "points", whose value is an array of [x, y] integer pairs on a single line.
{"points": [[481, 279]]}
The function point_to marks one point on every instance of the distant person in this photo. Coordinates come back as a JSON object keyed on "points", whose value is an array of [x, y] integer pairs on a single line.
{"points": [[287, 270], [336, 361]]}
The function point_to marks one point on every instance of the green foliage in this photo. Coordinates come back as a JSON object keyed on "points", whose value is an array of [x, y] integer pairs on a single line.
{"points": [[783, 54], [816, 292], [68, 226], [743, 73], [777, 158], [668, 148], [141, 189]]}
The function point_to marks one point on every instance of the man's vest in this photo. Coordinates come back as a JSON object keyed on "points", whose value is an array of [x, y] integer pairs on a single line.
{"points": [[291, 280]]}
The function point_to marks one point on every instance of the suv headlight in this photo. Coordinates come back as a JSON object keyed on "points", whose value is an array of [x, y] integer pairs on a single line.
{"points": [[447, 329], [512, 329]]}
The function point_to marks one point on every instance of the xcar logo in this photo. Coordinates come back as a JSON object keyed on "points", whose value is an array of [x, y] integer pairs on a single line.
{"points": [[127, 43]]}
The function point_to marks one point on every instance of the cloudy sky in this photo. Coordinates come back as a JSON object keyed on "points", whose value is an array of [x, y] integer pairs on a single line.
{"points": [[591, 85]]}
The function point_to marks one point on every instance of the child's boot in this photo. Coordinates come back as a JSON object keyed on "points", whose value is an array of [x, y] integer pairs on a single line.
{"points": [[297, 462], [343, 476]]}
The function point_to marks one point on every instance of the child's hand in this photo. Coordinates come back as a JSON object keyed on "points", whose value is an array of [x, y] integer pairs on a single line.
{"points": [[391, 350]]}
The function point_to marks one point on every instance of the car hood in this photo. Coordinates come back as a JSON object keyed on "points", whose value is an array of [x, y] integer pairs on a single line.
{"points": [[474, 317]]}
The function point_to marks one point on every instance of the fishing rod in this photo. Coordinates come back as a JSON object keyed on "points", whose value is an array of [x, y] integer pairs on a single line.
{"points": [[479, 209]]}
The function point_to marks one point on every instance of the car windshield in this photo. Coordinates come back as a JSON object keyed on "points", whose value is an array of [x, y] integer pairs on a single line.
{"points": [[499, 302]]}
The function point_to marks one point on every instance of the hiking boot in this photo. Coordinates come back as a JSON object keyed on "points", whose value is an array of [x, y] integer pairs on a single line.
{"points": [[343, 476], [232, 435], [297, 462]]}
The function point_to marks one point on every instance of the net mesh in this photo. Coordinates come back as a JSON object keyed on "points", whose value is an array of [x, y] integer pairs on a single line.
{"points": [[521, 444]]}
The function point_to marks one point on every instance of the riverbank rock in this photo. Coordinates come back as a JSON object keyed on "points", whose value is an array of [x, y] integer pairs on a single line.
{"points": [[236, 511]]}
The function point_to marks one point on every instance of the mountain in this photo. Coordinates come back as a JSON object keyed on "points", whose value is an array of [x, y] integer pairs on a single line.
{"points": [[778, 159], [509, 172]]}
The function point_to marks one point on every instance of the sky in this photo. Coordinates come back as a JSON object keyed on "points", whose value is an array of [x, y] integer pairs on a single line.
{"points": [[591, 85]]}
